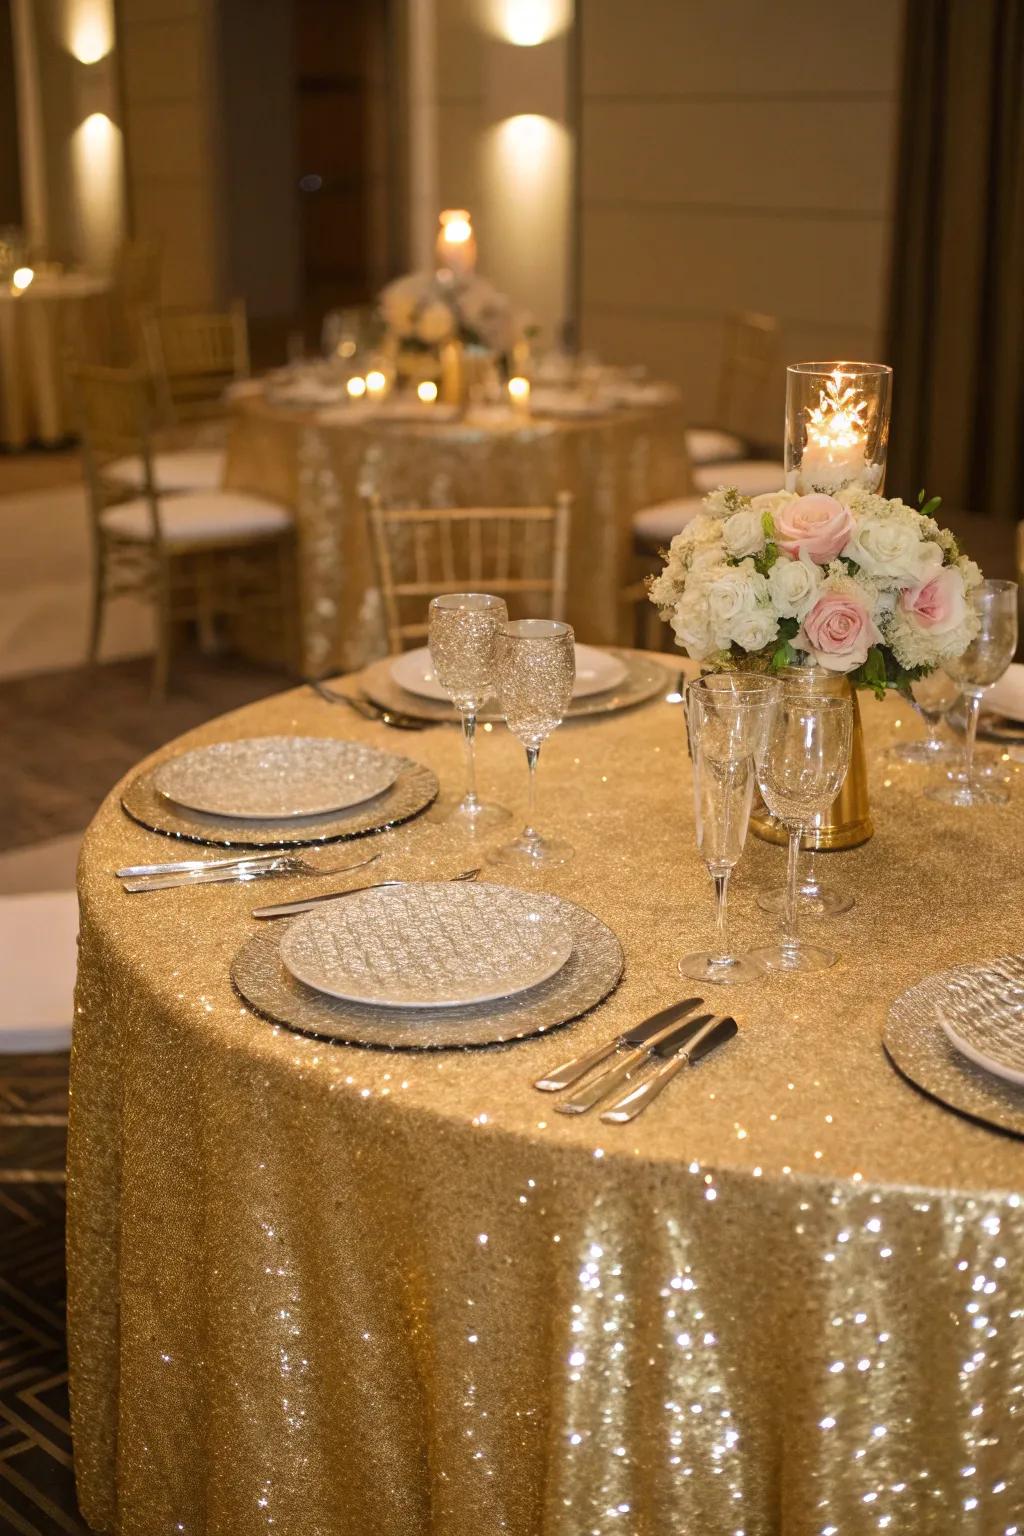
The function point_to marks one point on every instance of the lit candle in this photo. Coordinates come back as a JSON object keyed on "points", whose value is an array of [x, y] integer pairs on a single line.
{"points": [[427, 391], [22, 278], [376, 384], [456, 243], [519, 394], [835, 453], [356, 387]]}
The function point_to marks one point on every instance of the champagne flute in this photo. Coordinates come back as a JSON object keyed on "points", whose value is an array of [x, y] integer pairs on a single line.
{"points": [[815, 897], [463, 630], [800, 772], [536, 672], [982, 664], [727, 717], [933, 696]]}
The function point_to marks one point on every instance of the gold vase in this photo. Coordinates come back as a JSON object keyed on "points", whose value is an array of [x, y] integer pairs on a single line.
{"points": [[847, 823], [452, 389]]}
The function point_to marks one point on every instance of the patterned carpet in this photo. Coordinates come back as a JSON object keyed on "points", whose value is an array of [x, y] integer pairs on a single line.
{"points": [[37, 1492]]}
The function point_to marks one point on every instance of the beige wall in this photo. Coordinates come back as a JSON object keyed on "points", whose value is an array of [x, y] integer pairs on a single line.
{"points": [[736, 154], [171, 105]]}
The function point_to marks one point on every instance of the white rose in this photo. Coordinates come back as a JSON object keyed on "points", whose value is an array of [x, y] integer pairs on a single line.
{"points": [[743, 533], [893, 548], [435, 323], [755, 630], [772, 501], [691, 623], [732, 594], [794, 585]]}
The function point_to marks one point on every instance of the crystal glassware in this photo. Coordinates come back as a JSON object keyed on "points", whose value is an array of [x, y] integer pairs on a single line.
{"points": [[727, 718], [815, 897], [932, 696], [536, 672], [982, 664], [837, 426], [800, 772], [463, 630]]}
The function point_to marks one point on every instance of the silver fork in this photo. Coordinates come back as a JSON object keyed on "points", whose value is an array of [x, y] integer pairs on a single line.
{"points": [[282, 864], [367, 710]]}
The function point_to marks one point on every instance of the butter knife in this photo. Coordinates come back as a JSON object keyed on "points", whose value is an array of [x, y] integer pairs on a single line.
{"points": [[604, 1084], [715, 1033], [571, 1071]]}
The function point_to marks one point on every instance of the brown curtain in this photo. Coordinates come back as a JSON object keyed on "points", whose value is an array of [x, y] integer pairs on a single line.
{"points": [[956, 318]]}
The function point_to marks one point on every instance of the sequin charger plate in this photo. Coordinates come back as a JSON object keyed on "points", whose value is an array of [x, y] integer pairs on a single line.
{"points": [[413, 791], [645, 678], [918, 1047], [591, 972]]}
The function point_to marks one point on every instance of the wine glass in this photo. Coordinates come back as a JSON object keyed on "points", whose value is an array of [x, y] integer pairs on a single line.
{"points": [[982, 664], [933, 696], [815, 897], [800, 772], [536, 672], [463, 630], [727, 717]]}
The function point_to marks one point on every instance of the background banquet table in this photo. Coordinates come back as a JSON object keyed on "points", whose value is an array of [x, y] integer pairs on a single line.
{"points": [[322, 463], [345, 1290], [35, 327]]}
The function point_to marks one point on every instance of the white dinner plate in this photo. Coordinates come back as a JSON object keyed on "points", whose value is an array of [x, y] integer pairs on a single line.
{"points": [[1006, 697], [982, 1014], [269, 778], [597, 671], [427, 944]]}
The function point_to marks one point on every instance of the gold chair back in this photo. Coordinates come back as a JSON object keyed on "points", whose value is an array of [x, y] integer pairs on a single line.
{"points": [[193, 357], [520, 553], [748, 367], [114, 409]]}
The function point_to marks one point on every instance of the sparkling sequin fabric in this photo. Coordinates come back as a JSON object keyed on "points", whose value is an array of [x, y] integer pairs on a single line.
{"points": [[614, 465], [317, 1290]]}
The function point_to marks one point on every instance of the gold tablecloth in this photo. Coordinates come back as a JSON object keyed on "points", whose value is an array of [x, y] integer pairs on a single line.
{"points": [[323, 1291], [35, 327], [322, 464]]}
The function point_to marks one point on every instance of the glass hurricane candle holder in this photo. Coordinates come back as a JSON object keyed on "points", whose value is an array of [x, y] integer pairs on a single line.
{"points": [[837, 426], [456, 244]]}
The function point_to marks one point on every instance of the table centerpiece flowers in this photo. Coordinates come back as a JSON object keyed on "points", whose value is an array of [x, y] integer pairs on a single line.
{"points": [[428, 312], [856, 583]]}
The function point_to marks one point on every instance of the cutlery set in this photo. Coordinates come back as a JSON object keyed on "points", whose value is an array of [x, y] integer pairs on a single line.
{"points": [[366, 709], [661, 1038]]}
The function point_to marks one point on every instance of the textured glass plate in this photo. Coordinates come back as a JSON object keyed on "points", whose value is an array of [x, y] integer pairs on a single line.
{"points": [[429, 944], [414, 789], [270, 778], [591, 972], [918, 1047], [596, 672], [983, 1015], [644, 678]]}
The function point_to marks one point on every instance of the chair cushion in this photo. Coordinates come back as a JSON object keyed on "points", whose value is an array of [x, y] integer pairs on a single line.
{"points": [[183, 469], [38, 956], [200, 517], [752, 477], [710, 445], [657, 526]]}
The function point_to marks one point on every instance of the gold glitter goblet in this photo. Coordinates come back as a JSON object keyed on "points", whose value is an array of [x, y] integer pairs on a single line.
{"points": [[536, 672], [463, 629]]}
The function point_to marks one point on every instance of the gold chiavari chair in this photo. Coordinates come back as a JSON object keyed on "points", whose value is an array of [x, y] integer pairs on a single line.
{"points": [[519, 553], [193, 357], [193, 555]]}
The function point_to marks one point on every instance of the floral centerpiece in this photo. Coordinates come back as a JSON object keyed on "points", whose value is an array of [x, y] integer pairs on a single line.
{"points": [[856, 583], [424, 310]]}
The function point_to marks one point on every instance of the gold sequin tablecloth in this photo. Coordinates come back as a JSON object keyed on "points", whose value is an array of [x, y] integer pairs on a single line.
{"points": [[323, 1291], [37, 326], [321, 464]]}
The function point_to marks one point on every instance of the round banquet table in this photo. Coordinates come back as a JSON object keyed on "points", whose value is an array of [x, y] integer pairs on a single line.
{"points": [[35, 327], [326, 1290], [323, 463]]}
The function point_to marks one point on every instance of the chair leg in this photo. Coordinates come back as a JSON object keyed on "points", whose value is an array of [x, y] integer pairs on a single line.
{"points": [[99, 597], [289, 606], [209, 641], [162, 656]]}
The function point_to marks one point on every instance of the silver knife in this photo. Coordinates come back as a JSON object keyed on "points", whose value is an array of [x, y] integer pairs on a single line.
{"points": [[603, 1085], [286, 908], [689, 1052], [197, 866], [578, 1066], [238, 873]]}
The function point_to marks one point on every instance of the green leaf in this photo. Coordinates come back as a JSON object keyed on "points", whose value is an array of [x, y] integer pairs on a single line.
{"points": [[783, 656], [874, 673], [766, 559], [920, 497], [931, 507], [768, 524]]}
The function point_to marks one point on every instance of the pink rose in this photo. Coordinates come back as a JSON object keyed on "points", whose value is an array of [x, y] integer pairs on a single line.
{"points": [[838, 631], [937, 606], [816, 526]]}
